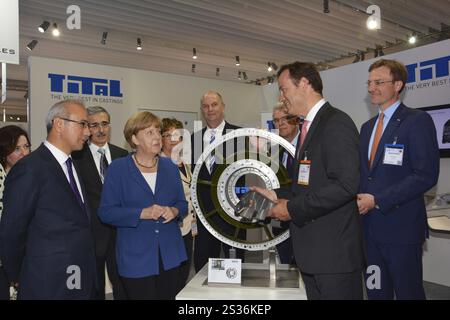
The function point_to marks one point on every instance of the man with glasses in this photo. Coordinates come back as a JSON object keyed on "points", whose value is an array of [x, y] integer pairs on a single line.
{"points": [[399, 163], [92, 162], [288, 128], [47, 248]]}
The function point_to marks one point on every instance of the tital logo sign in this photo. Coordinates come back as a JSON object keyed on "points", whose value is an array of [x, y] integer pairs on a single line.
{"points": [[71, 84], [429, 73], [435, 68]]}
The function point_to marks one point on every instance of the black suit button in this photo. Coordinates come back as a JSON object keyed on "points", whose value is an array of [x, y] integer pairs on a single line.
{"points": [[370, 178]]}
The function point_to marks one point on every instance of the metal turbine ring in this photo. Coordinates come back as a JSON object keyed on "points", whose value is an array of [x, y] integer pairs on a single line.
{"points": [[226, 196]]}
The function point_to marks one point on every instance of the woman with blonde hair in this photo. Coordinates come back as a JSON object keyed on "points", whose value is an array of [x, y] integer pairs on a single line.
{"points": [[143, 197]]}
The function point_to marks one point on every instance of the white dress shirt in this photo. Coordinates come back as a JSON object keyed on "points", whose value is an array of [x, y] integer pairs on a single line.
{"points": [[62, 157]]}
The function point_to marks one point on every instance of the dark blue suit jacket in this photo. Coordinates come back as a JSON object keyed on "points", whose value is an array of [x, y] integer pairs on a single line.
{"points": [[399, 190], [44, 231], [125, 194]]}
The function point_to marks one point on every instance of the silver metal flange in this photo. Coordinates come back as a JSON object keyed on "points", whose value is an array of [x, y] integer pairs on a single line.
{"points": [[227, 182]]}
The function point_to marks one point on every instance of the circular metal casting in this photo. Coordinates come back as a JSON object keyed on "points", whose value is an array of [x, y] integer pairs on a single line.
{"points": [[226, 183]]}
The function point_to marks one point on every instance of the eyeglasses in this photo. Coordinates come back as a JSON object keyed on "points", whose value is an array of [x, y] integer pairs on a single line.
{"points": [[173, 136], [378, 83], [287, 118], [96, 125], [83, 123]]}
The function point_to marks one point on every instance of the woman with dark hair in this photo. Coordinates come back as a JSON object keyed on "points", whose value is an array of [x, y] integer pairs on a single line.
{"points": [[14, 145]]}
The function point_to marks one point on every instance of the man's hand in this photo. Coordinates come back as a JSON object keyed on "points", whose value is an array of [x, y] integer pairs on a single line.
{"points": [[280, 211], [269, 194], [366, 202]]}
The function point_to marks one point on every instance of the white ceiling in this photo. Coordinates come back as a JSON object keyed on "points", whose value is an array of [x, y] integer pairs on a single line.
{"points": [[258, 31]]}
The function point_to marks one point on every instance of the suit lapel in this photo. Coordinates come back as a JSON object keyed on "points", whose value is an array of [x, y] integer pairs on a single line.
{"points": [[61, 176], [389, 133]]}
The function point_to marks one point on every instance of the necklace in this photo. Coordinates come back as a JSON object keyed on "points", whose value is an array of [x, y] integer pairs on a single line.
{"points": [[148, 167]]}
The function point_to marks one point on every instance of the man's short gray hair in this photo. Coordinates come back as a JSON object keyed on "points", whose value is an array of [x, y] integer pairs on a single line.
{"points": [[59, 110], [280, 106], [218, 95], [97, 109]]}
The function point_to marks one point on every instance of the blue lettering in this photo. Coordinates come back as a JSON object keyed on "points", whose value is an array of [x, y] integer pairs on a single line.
{"points": [[429, 69], [97, 86], [114, 87], [56, 82]]}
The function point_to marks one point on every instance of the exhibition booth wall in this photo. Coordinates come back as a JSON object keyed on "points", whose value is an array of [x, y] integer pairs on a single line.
{"points": [[124, 91]]}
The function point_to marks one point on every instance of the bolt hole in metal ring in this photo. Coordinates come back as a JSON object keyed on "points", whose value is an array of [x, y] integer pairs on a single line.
{"points": [[262, 166]]}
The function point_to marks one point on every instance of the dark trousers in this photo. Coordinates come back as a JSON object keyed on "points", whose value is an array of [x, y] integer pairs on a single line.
{"points": [[108, 258], [207, 246], [334, 286], [158, 287], [400, 269], [284, 249], [4, 285], [185, 266]]}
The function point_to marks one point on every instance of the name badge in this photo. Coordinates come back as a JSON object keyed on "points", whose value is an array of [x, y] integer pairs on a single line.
{"points": [[194, 229], [393, 154], [303, 172]]}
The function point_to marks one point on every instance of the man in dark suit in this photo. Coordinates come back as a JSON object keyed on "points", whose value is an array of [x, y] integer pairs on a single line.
{"points": [[92, 162], [399, 163], [47, 247], [287, 126], [321, 203], [206, 245]]}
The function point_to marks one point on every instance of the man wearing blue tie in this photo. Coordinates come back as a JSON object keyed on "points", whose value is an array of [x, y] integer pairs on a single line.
{"points": [[213, 111], [47, 248], [399, 163]]}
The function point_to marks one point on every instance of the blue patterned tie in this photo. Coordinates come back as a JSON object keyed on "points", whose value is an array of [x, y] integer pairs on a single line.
{"points": [[73, 183], [212, 158]]}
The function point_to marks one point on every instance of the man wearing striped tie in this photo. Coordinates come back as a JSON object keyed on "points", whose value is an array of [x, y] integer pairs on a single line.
{"points": [[206, 245], [399, 163], [92, 163]]}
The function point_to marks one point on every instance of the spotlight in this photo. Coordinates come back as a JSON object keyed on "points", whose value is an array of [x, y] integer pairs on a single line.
{"points": [[193, 68], [374, 20], [55, 31], [379, 51], [269, 67], [238, 62], [104, 36], [217, 72], [245, 75], [372, 23], [362, 55], [239, 75], [139, 44], [44, 26], [326, 6], [32, 44], [412, 39], [194, 53]]}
